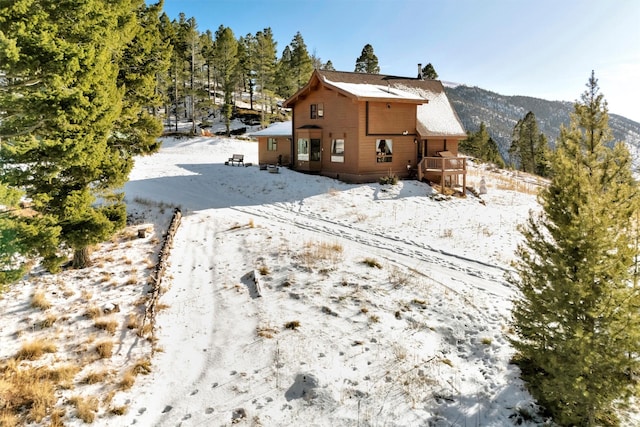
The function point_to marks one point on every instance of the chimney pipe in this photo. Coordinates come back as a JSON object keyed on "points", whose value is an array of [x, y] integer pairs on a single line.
{"points": [[420, 72]]}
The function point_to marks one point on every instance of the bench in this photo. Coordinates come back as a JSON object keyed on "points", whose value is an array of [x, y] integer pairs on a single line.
{"points": [[237, 159]]}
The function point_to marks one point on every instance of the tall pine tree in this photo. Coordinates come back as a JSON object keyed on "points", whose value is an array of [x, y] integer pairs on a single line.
{"points": [[479, 144], [226, 49], [529, 147], [265, 67], [301, 63], [577, 318], [367, 62], [64, 110]]}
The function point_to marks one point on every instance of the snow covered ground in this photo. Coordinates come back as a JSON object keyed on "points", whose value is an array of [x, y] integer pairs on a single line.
{"points": [[295, 299], [375, 305]]}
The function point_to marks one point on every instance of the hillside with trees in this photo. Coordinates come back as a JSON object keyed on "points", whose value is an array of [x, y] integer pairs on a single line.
{"points": [[501, 113]]}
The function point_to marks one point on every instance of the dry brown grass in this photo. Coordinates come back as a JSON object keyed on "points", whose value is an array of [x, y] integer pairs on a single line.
{"points": [[104, 349], [372, 262], [266, 331], [86, 294], [95, 377], [28, 393], [93, 312], [142, 366], [34, 349], [86, 408], [48, 321], [133, 321], [315, 252], [108, 324], [40, 301], [119, 410], [127, 381]]}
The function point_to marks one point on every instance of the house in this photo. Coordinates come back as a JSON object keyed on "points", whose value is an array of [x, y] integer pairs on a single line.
{"points": [[359, 127], [274, 144]]}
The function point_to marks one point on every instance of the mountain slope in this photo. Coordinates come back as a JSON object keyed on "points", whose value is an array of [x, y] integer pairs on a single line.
{"points": [[500, 114]]}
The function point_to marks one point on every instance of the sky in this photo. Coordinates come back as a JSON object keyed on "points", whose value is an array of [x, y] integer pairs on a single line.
{"points": [[545, 49]]}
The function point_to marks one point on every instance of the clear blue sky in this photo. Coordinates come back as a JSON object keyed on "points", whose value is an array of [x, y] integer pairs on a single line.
{"points": [[541, 48]]}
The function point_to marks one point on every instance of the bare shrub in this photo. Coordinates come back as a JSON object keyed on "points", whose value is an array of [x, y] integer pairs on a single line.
{"points": [[108, 324], [48, 321], [93, 312], [104, 349], [266, 331], [95, 377], [293, 325], [40, 301], [447, 233], [398, 277], [372, 262], [86, 408]]}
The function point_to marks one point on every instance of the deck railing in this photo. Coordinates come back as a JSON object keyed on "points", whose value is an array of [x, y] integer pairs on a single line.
{"points": [[442, 168], [444, 164]]}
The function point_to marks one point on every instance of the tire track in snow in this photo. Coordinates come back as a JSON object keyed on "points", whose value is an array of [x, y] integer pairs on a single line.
{"points": [[485, 277]]}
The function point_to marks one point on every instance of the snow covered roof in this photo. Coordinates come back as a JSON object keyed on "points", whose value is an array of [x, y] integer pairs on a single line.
{"points": [[364, 90], [437, 118], [435, 115], [276, 129]]}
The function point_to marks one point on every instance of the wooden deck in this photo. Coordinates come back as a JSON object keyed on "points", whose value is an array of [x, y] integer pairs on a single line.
{"points": [[445, 171]]}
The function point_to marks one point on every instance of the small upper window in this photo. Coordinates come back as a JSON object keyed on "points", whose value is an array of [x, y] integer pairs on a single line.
{"points": [[316, 111], [272, 144]]}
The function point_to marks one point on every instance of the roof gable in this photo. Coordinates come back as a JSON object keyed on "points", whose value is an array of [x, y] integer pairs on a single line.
{"points": [[435, 114]]}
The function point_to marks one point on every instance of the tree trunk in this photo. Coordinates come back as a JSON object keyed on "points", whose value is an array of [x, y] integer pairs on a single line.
{"points": [[81, 258]]}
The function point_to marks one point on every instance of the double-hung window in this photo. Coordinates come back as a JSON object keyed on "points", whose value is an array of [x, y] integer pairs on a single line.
{"points": [[337, 150], [303, 149]]}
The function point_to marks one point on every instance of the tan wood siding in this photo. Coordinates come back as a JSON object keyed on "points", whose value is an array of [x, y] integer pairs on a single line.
{"points": [[271, 157]]}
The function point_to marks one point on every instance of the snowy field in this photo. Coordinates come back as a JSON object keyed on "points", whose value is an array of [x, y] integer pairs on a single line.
{"points": [[375, 305], [293, 300]]}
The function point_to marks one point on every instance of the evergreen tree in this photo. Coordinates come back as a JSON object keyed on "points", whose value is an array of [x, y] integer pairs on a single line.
{"points": [[577, 318], [529, 146], [168, 81], [286, 84], [479, 144], [265, 68], [367, 62], [246, 63], [23, 236], [226, 49], [328, 66], [428, 72], [207, 51], [63, 109], [301, 64]]}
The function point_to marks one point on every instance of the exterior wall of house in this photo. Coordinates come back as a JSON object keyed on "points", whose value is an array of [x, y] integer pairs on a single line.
{"points": [[283, 150], [361, 125], [339, 121], [385, 121], [441, 144]]}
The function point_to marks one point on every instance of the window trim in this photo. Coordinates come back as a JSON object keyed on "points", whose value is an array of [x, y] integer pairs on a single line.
{"points": [[304, 156], [272, 144], [337, 157]]}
